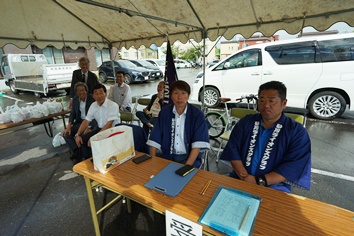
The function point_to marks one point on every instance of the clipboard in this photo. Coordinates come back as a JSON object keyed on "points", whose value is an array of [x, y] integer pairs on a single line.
{"points": [[168, 182], [232, 212]]}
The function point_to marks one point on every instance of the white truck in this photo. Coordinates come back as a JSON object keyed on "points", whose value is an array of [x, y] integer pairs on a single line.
{"points": [[31, 72]]}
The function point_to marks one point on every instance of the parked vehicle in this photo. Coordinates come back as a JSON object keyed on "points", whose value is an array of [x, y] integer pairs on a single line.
{"points": [[318, 73], [214, 62], [159, 63], [182, 64], [132, 72], [31, 72], [156, 73]]}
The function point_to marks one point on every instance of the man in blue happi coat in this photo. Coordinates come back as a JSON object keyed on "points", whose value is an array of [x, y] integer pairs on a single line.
{"points": [[181, 132], [269, 148]]}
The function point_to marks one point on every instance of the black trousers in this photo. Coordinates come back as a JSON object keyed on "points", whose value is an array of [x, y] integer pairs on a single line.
{"points": [[70, 138], [84, 150]]}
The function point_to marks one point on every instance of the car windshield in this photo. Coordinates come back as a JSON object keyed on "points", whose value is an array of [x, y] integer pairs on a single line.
{"points": [[144, 63], [127, 64], [161, 62]]}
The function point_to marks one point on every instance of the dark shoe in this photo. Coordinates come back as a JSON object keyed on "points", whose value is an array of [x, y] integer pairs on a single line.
{"points": [[74, 155], [77, 160]]}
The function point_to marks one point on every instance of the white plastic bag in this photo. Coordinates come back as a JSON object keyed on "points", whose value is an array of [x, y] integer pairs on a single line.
{"points": [[15, 113], [58, 140], [4, 117], [35, 111], [26, 112]]}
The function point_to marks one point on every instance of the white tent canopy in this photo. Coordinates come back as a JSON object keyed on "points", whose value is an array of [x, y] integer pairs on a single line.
{"points": [[118, 23]]}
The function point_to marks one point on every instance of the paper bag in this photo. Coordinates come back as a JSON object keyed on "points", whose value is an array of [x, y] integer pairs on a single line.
{"points": [[112, 147]]}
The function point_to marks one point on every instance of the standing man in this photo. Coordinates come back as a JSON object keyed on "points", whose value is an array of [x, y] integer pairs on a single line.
{"points": [[269, 148], [83, 75], [120, 93], [105, 112], [80, 106]]}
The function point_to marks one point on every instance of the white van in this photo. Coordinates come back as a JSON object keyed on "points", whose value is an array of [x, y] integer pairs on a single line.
{"points": [[318, 73]]}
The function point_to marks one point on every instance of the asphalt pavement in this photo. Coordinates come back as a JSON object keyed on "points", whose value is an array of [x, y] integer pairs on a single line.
{"points": [[42, 196]]}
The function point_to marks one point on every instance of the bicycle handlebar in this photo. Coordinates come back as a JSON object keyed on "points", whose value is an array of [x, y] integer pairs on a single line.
{"points": [[248, 97]]}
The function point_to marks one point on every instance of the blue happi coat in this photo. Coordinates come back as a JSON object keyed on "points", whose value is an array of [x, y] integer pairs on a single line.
{"points": [[195, 133], [287, 150]]}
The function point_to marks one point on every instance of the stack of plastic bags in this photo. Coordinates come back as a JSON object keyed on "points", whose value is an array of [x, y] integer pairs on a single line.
{"points": [[17, 114]]}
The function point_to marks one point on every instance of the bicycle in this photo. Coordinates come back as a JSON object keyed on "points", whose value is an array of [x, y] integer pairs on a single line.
{"points": [[219, 121]]}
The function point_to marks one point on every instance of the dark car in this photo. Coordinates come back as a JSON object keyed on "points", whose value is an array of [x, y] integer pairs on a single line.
{"points": [[156, 73], [132, 72]]}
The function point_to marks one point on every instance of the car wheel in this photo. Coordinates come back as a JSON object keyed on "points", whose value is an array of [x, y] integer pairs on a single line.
{"points": [[327, 105], [102, 77], [211, 97], [38, 95], [13, 88], [128, 78]]}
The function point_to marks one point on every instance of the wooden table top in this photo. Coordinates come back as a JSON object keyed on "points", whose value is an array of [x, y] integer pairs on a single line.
{"points": [[32, 120], [279, 213]]}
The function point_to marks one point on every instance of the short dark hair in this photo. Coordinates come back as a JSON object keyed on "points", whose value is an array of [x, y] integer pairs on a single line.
{"points": [[120, 72], [98, 86], [181, 85], [276, 85], [80, 84]]}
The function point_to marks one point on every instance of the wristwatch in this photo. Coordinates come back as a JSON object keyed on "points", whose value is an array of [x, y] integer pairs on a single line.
{"points": [[261, 180], [76, 135]]}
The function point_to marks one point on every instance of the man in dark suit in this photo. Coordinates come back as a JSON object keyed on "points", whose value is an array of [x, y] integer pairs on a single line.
{"points": [[80, 106], [83, 75]]}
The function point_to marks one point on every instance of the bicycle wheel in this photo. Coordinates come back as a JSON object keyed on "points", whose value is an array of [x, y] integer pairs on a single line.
{"points": [[217, 124]]}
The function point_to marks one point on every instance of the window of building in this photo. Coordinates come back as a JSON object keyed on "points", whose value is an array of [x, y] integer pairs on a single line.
{"points": [[102, 55], [53, 55]]}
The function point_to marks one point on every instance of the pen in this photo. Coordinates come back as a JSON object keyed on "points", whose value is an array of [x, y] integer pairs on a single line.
{"points": [[244, 217], [205, 188]]}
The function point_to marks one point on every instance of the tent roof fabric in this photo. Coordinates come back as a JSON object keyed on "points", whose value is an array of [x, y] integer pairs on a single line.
{"points": [[118, 23]]}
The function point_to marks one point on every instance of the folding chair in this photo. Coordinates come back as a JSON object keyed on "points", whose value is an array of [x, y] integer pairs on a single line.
{"points": [[237, 113], [297, 117], [144, 101], [129, 117]]}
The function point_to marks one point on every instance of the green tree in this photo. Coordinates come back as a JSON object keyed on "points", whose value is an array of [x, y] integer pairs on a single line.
{"points": [[192, 54], [175, 51]]}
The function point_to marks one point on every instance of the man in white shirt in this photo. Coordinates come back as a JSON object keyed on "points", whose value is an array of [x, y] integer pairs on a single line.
{"points": [[105, 112], [120, 93], [81, 104]]}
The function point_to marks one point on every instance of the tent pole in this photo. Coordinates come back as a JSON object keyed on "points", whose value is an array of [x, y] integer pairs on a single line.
{"points": [[204, 34]]}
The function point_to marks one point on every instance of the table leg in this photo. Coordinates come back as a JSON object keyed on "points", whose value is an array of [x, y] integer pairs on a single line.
{"points": [[92, 206], [63, 117]]}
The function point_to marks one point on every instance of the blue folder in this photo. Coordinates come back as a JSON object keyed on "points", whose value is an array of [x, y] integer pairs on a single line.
{"points": [[168, 182]]}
